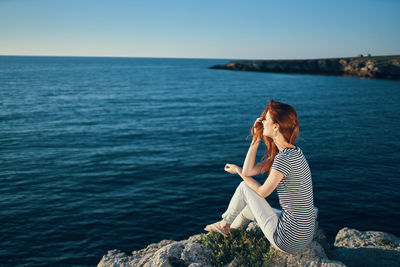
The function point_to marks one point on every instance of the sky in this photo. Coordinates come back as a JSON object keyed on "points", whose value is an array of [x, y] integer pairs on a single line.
{"points": [[245, 29]]}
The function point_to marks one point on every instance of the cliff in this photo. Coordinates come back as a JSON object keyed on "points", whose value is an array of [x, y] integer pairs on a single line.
{"points": [[351, 248], [377, 67]]}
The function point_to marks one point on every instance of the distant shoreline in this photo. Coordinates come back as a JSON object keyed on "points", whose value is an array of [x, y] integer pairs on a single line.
{"points": [[375, 67]]}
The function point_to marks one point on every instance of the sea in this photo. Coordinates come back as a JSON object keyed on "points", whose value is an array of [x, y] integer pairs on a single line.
{"points": [[118, 153]]}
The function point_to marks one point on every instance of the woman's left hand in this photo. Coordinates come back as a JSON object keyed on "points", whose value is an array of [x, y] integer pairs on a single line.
{"points": [[232, 168]]}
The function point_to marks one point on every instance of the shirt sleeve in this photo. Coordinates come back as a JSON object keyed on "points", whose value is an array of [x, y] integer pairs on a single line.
{"points": [[282, 164]]}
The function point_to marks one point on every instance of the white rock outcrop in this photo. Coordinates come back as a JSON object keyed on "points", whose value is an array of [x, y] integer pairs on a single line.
{"points": [[370, 248], [351, 248], [166, 253]]}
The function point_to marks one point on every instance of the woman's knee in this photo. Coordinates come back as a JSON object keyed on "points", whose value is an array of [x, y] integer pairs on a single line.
{"points": [[244, 186], [240, 186]]}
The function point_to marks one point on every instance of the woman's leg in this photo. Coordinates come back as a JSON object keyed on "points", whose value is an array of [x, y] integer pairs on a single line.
{"points": [[246, 216], [265, 216], [243, 219]]}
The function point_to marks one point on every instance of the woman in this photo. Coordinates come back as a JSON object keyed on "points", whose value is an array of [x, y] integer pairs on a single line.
{"points": [[289, 173]]}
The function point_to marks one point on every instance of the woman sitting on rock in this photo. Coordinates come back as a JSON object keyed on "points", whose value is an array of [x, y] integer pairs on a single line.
{"points": [[288, 230]]}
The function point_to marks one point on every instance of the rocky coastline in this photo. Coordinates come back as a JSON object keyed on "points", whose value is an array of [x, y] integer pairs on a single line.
{"points": [[351, 248], [375, 67]]}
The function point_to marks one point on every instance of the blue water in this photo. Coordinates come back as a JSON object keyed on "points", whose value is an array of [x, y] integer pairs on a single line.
{"points": [[104, 153]]}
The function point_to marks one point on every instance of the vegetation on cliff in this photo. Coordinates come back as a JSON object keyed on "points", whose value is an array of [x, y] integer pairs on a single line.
{"points": [[248, 248]]}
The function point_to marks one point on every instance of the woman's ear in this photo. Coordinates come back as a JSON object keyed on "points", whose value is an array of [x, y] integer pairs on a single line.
{"points": [[276, 127]]}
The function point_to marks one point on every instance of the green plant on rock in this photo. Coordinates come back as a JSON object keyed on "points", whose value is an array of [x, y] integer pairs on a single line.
{"points": [[250, 248]]}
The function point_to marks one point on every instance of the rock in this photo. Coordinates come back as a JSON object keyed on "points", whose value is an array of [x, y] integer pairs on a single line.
{"points": [[351, 247], [370, 248], [115, 257], [152, 248], [166, 253], [192, 254], [383, 67]]}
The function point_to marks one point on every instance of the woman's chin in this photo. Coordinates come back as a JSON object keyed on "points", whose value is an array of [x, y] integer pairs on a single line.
{"points": [[264, 135]]}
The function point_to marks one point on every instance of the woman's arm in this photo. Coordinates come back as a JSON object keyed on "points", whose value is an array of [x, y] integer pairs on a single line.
{"points": [[264, 190], [269, 185], [248, 166]]}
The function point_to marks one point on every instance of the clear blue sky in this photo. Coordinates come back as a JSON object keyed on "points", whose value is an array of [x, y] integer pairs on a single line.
{"points": [[251, 29]]}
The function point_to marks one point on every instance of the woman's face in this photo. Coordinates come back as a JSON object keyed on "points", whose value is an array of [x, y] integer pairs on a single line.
{"points": [[268, 125]]}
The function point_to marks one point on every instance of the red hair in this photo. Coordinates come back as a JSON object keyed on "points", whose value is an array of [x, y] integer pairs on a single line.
{"points": [[286, 117]]}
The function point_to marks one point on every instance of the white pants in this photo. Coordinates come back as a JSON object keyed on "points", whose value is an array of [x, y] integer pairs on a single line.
{"points": [[246, 206]]}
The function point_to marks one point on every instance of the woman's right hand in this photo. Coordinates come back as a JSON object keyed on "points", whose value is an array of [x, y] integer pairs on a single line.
{"points": [[232, 168], [258, 128]]}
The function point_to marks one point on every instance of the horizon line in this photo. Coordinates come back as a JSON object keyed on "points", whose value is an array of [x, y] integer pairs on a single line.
{"points": [[75, 56]]}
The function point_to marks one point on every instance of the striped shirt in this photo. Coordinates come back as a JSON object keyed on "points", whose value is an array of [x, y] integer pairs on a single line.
{"points": [[296, 224]]}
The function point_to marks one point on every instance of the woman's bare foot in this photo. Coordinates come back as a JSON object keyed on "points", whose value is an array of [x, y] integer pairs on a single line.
{"points": [[221, 226]]}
